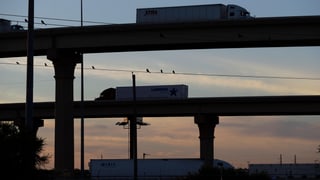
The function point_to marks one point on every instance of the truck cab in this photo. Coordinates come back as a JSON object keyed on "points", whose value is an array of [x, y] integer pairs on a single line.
{"points": [[17, 27], [237, 12]]}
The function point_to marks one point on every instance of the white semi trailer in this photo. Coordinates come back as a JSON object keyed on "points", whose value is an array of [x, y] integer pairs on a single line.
{"points": [[192, 13], [152, 92]]}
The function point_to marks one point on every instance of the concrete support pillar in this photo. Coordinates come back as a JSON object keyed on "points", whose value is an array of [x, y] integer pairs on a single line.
{"points": [[64, 62], [133, 137], [206, 124]]}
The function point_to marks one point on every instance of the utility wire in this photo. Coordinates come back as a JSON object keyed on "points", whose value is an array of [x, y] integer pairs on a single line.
{"points": [[93, 68], [47, 24], [210, 74], [56, 19]]}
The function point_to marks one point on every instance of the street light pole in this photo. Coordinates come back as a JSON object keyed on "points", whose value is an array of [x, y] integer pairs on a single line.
{"points": [[133, 131], [29, 93], [82, 109]]}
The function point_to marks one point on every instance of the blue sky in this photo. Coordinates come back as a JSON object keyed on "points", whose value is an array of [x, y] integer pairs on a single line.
{"points": [[239, 140]]}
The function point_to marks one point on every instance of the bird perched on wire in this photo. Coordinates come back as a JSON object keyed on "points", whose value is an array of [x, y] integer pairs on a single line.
{"points": [[147, 70], [42, 22]]}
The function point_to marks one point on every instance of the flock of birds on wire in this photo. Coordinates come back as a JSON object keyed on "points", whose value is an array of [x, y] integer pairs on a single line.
{"points": [[199, 74], [93, 67]]}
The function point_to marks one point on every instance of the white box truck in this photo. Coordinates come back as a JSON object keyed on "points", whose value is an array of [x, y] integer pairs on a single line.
{"points": [[192, 13]]}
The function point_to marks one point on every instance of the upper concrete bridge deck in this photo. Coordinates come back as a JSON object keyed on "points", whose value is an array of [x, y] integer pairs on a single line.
{"points": [[256, 32]]}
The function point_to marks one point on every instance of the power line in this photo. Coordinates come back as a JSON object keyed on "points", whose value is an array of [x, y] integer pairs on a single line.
{"points": [[56, 19], [17, 63], [94, 68], [210, 74], [49, 24], [19, 22]]}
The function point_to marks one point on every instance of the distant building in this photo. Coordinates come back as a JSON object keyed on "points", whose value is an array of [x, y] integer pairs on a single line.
{"points": [[148, 168], [292, 171]]}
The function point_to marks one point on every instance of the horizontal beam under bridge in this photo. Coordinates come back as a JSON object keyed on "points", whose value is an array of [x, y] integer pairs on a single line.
{"points": [[255, 32], [220, 106]]}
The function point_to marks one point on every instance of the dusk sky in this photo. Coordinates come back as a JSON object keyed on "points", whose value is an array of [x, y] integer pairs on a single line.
{"points": [[239, 140]]}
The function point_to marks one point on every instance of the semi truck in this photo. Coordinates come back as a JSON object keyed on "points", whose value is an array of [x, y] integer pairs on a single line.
{"points": [[191, 13], [6, 26], [152, 92]]}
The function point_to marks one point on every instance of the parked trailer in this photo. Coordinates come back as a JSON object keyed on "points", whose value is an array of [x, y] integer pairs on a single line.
{"points": [[193, 13], [147, 168]]}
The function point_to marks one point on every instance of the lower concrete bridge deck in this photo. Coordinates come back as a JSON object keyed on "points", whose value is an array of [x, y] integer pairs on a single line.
{"points": [[219, 106]]}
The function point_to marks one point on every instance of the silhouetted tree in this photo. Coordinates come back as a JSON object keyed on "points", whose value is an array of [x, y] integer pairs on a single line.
{"points": [[20, 152]]}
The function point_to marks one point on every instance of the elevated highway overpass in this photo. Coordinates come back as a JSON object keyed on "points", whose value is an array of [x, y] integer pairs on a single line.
{"points": [[65, 48]]}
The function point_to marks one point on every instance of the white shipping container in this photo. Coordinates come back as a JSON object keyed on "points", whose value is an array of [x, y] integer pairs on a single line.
{"points": [[180, 14], [147, 168], [179, 91], [110, 168]]}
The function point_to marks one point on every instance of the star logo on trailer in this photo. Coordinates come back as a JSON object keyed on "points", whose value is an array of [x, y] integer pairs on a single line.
{"points": [[173, 92]]}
